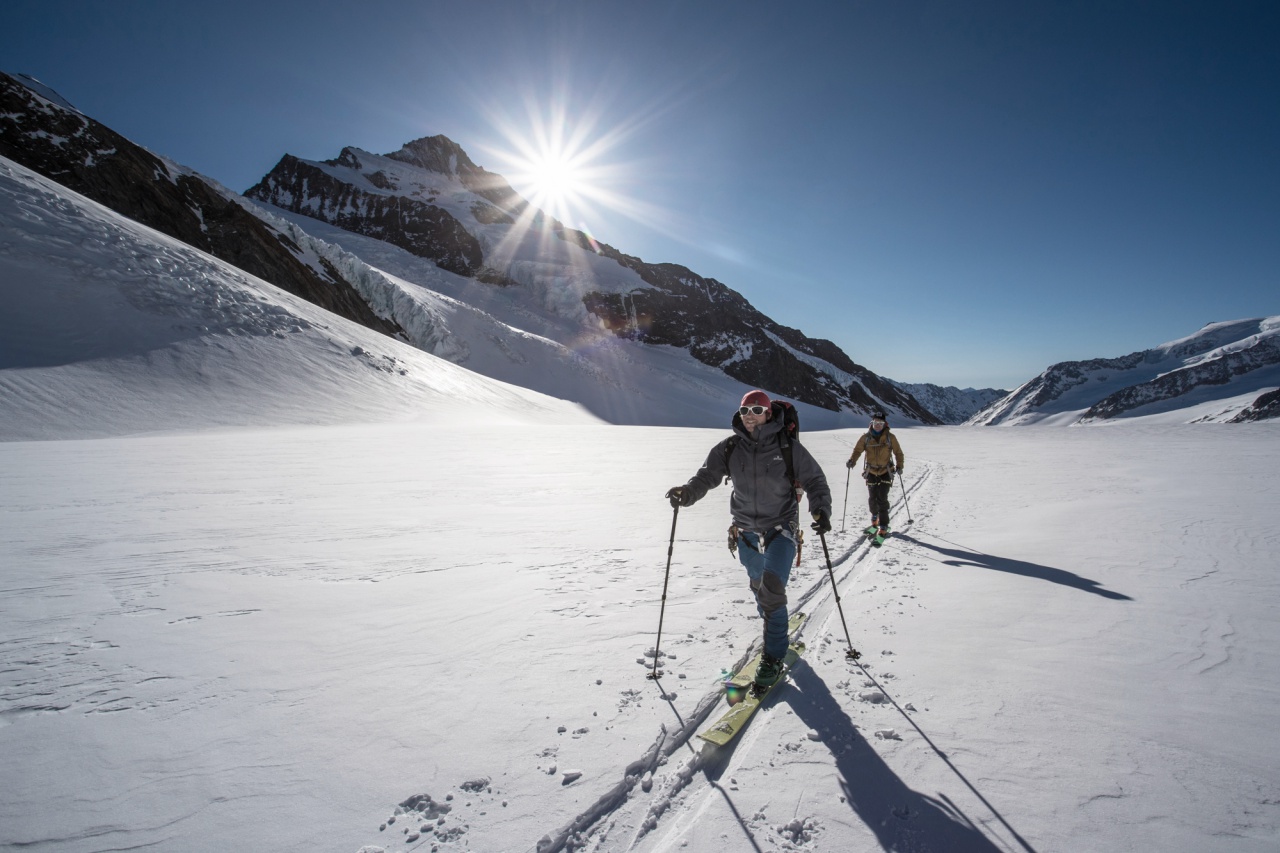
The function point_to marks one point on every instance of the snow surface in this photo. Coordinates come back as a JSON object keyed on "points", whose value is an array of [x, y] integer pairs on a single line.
{"points": [[258, 590], [270, 639]]}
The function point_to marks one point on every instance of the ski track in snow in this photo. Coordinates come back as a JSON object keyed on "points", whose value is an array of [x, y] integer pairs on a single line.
{"points": [[978, 715], [660, 792]]}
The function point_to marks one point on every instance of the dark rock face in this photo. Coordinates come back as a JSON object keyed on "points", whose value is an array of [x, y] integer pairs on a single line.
{"points": [[720, 328], [419, 227], [441, 154], [1265, 408], [95, 161]]}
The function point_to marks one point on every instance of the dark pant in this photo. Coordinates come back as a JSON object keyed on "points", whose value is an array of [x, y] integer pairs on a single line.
{"points": [[768, 573], [878, 486]]}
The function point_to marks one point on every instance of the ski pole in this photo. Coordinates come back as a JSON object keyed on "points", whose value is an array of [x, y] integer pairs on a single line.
{"points": [[845, 515], [662, 612], [853, 654], [905, 502]]}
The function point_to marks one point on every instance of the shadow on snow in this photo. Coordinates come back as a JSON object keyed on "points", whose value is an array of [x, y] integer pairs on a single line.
{"points": [[899, 817], [961, 556]]}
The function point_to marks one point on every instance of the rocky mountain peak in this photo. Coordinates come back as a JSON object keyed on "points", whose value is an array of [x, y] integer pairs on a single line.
{"points": [[442, 155], [436, 154]]}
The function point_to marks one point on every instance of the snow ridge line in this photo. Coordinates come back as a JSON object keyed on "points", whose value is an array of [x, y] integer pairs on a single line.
{"points": [[668, 741]]}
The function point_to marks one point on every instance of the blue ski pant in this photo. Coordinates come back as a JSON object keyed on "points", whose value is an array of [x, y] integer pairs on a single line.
{"points": [[769, 573]]}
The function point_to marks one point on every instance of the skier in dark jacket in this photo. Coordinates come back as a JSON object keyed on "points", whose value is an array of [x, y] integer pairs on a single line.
{"points": [[765, 510], [882, 449]]}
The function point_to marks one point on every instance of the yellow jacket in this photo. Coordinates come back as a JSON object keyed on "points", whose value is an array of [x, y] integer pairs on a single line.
{"points": [[878, 452]]}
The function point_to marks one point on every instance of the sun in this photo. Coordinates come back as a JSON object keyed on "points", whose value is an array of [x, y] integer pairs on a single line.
{"points": [[572, 166], [557, 177], [563, 166], [555, 180]]}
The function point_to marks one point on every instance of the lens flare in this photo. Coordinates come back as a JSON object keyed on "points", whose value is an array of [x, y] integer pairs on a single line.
{"points": [[567, 156]]}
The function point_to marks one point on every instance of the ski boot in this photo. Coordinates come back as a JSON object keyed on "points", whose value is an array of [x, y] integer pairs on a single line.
{"points": [[768, 673]]}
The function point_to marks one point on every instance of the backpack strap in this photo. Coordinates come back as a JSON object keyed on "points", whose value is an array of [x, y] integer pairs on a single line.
{"points": [[784, 441], [728, 454]]}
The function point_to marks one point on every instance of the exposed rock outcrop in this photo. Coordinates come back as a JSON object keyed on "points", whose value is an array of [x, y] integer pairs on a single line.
{"points": [[417, 226], [1265, 408]]}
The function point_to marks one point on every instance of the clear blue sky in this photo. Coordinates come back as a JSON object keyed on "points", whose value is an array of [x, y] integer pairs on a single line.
{"points": [[953, 192]]}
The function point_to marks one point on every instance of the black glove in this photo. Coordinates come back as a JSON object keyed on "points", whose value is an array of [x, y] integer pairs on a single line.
{"points": [[850, 464], [899, 471], [679, 496], [821, 524]]}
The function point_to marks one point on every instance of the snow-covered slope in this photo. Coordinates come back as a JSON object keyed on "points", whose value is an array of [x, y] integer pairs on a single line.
{"points": [[110, 327], [1211, 375]]}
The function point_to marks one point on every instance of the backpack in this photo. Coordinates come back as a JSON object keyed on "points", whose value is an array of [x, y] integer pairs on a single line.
{"points": [[784, 411]]}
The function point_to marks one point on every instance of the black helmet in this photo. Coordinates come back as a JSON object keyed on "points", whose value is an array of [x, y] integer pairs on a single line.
{"points": [[878, 415]]}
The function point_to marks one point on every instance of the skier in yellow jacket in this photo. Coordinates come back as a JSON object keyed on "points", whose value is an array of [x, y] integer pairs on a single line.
{"points": [[882, 449]]}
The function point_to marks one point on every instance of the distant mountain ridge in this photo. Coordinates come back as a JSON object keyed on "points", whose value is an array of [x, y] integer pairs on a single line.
{"points": [[1213, 375], [952, 405]]}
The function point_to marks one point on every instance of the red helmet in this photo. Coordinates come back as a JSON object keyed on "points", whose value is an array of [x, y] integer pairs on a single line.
{"points": [[756, 398]]}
